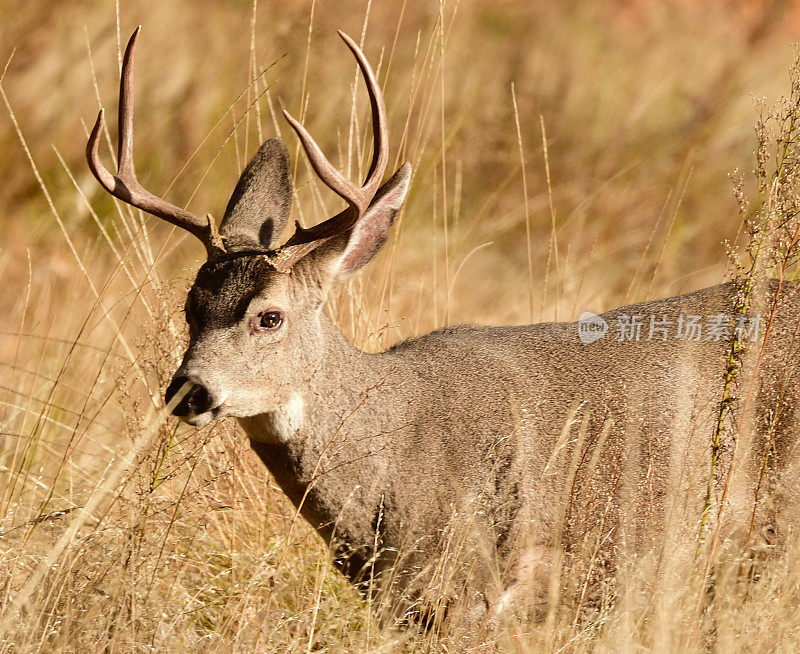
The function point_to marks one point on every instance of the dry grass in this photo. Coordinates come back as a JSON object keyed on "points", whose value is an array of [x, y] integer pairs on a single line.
{"points": [[121, 530]]}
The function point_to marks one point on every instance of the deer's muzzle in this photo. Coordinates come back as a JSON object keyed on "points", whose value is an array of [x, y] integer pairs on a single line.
{"points": [[196, 401]]}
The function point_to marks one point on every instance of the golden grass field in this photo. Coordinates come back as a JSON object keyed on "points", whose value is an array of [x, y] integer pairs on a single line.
{"points": [[568, 156]]}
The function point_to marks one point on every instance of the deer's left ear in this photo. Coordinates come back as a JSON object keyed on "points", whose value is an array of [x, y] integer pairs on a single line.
{"points": [[346, 253], [371, 231]]}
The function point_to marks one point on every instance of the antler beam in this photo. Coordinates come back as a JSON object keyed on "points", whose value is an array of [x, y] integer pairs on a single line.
{"points": [[124, 184], [357, 197]]}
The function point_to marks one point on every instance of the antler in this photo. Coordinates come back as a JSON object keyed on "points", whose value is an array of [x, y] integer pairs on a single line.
{"points": [[358, 198], [124, 184]]}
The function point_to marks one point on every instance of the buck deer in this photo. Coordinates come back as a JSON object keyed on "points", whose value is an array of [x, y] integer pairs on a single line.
{"points": [[534, 441]]}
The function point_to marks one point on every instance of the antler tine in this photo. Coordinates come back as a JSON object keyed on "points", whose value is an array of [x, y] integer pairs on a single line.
{"points": [[380, 129], [124, 184], [358, 197], [125, 110], [326, 171]]}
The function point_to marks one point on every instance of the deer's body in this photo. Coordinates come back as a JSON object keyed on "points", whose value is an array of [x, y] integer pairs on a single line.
{"points": [[493, 447], [385, 448]]}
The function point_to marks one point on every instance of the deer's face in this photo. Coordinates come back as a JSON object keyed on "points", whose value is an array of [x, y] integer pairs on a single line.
{"points": [[254, 309], [254, 339], [254, 313]]}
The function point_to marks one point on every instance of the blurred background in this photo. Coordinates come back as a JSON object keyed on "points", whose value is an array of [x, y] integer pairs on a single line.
{"points": [[568, 156], [647, 106]]}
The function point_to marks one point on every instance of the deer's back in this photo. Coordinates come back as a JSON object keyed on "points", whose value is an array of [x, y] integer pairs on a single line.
{"points": [[568, 437]]}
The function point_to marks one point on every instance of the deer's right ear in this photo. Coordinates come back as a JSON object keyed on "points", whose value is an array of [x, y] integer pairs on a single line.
{"points": [[259, 207]]}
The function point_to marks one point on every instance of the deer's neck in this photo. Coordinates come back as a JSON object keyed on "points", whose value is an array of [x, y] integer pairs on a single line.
{"points": [[319, 445]]}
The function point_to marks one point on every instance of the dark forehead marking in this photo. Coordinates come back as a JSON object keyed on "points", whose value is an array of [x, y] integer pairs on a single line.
{"points": [[224, 288]]}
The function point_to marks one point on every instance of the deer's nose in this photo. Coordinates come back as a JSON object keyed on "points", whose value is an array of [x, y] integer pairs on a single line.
{"points": [[196, 401]]}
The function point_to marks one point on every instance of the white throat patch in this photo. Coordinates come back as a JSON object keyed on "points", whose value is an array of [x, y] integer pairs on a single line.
{"points": [[284, 422], [278, 426]]}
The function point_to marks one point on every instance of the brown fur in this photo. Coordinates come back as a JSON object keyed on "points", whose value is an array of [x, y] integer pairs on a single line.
{"points": [[468, 463], [496, 421]]}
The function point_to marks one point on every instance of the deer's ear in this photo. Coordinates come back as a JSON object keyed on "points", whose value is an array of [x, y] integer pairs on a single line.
{"points": [[259, 207], [371, 231], [359, 246]]}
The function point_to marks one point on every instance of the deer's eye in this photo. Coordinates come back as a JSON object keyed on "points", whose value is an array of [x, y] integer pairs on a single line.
{"points": [[268, 320]]}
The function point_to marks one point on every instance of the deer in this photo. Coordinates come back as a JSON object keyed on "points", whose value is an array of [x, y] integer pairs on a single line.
{"points": [[504, 450]]}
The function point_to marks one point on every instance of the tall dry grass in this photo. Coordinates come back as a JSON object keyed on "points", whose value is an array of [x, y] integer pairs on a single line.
{"points": [[568, 156]]}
